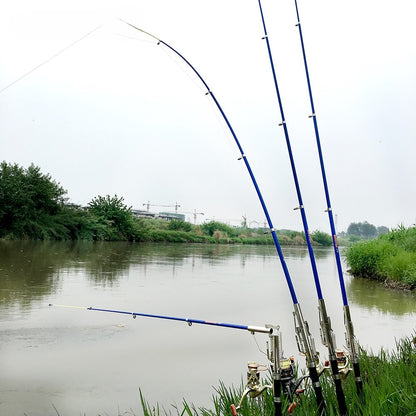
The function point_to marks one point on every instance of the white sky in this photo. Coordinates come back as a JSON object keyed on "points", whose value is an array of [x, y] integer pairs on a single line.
{"points": [[117, 114]]}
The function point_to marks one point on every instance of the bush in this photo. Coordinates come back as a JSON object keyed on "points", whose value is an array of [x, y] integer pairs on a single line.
{"points": [[321, 238], [118, 217], [390, 257], [209, 228], [179, 225]]}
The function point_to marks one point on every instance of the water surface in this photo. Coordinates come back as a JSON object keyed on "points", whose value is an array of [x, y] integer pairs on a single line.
{"points": [[86, 362]]}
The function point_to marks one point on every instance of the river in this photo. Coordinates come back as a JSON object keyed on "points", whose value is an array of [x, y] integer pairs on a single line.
{"points": [[73, 361]]}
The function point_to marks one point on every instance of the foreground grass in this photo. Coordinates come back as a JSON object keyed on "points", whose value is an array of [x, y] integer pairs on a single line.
{"points": [[389, 380], [390, 258]]}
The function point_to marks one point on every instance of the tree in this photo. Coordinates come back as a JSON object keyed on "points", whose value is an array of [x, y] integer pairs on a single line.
{"points": [[353, 229], [321, 238], [116, 214], [368, 230], [209, 228], [382, 230], [362, 229], [27, 197]]}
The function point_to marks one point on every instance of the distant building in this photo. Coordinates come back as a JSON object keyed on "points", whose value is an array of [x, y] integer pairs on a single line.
{"points": [[143, 214], [167, 216], [171, 216]]}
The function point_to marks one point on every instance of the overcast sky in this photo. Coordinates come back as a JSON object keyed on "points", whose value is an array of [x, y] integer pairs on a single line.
{"points": [[104, 110]]}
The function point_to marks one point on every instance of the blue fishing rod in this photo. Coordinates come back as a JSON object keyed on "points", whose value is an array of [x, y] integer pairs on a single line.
{"points": [[254, 387], [301, 326], [350, 337], [327, 335], [189, 321]]}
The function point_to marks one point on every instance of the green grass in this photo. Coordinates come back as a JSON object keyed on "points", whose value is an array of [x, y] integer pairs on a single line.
{"points": [[390, 258], [389, 388]]}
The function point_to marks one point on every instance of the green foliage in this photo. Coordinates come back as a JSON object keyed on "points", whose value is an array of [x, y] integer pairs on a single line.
{"points": [[27, 199], [391, 257], [382, 230], [209, 228], [169, 236], [179, 225], [321, 238], [32, 206], [118, 217], [365, 230], [388, 389]]}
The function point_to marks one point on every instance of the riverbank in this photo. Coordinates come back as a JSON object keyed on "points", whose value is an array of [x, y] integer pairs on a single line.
{"points": [[34, 207], [389, 386], [391, 258]]}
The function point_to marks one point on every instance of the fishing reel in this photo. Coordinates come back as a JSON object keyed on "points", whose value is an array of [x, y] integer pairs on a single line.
{"points": [[343, 361], [254, 388], [283, 377], [290, 385]]}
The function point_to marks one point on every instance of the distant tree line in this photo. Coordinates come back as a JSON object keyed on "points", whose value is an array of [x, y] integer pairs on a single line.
{"points": [[34, 206], [365, 230]]}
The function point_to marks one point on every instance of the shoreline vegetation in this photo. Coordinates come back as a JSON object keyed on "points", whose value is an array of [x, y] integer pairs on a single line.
{"points": [[389, 387], [391, 258], [34, 207]]}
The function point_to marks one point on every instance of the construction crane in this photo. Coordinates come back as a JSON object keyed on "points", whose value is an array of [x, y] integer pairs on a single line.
{"points": [[194, 214], [148, 205]]}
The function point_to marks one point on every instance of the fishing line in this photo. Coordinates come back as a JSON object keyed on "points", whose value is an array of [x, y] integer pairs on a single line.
{"points": [[350, 336], [50, 59], [258, 346], [327, 335], [305, 341], [134, 38], [179, 63]]}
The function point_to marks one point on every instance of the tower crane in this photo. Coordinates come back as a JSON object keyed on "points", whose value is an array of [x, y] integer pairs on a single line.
{"points": [[148, 205], [193, 213]]}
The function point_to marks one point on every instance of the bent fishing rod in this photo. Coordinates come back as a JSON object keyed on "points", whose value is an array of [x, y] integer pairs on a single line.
{"points": [[327, 335], [301, 326], [350, 337]]}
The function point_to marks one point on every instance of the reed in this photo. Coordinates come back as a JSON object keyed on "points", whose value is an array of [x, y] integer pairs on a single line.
{"points": [[390, 258], [389, 388]]}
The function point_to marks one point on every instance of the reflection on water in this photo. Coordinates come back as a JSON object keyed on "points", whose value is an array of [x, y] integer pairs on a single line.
{"points": [[29, 271], [372, 295], [32, 270], [90, 362]]}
